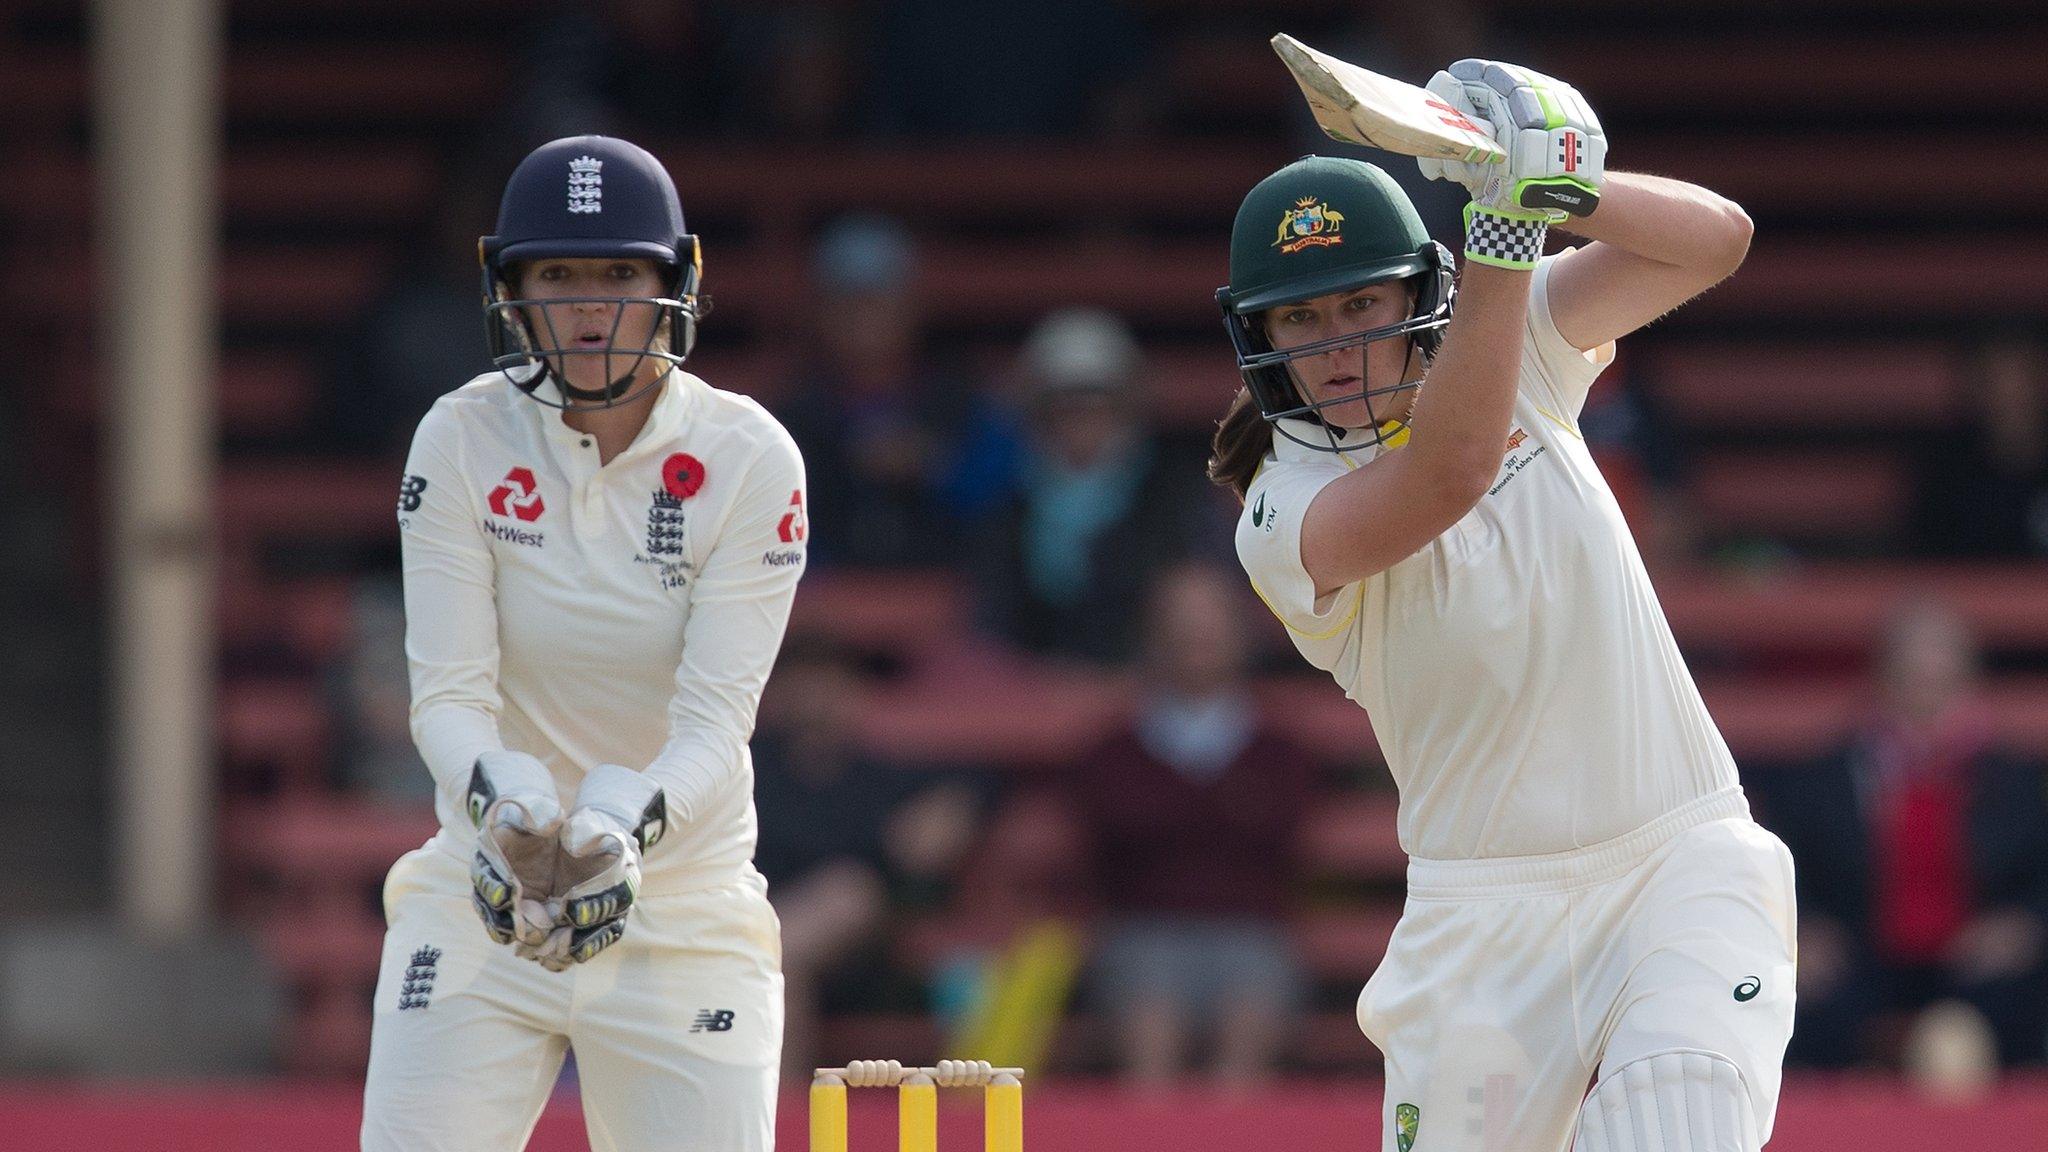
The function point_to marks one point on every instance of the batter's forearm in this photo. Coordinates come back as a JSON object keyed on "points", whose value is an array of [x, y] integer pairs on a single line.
{"points": [[1462, 415], [1668, 221]]}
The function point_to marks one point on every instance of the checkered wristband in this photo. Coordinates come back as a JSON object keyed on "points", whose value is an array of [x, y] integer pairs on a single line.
{"points": [[1503, 241]]}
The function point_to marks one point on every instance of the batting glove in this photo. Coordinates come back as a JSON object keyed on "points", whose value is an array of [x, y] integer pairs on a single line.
{"points": [[619, 814], [517, 815], [1556, 149]]}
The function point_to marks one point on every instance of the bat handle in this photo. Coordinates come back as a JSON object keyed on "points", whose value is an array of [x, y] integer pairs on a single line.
{"points": [[1567, 195]]}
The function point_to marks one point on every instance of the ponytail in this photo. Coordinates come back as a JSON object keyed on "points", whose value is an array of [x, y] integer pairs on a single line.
{"points": [[1243, 438]]}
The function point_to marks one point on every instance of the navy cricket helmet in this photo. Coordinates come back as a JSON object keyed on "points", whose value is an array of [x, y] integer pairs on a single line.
{"points": [[589, 197], [1321, 225]]}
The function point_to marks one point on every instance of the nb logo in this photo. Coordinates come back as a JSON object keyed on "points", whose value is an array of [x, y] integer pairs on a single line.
{"points": [[713, 1020], [410, 490], [1747, 990]]}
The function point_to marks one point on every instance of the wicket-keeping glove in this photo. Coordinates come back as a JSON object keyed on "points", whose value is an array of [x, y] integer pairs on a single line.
{"points": [[1556, 150], [513, 806], [619, 814]]}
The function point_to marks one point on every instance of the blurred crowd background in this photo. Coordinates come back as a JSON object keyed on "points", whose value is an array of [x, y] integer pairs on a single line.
{"points": [[1038, 779]]}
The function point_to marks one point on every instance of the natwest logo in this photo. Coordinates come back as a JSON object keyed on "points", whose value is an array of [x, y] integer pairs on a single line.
{"points": [[518, 496]]}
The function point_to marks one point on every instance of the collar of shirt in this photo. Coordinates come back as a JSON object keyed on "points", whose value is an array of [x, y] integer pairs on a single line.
{"points": [[678, 395], [1357, 442]]}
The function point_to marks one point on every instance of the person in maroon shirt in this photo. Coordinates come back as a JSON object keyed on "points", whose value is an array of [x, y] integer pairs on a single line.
{"points": [[1193, 810]]}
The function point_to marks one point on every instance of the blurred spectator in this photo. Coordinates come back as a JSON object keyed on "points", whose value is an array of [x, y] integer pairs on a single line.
{"points": [[424, 333], [803, 87], [1643, 462], [876, 419], [1193, 811], [1098, 509], [844, 838], [373, 700], [666, 69], [1922, 853], [1003, 958], [994, 68], [651, 68], [1983, 489]]}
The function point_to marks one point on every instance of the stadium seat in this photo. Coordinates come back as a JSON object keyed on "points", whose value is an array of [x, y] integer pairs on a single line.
{"points": [[972, 186], [259, 393], [318, 500], [1798, 76], [329, 839], [363, 184], [1849, 496], [305, 287], [312, 866], [900, 614], [276, 729], [1782, 720], [1841, 607], [1818, 385]]}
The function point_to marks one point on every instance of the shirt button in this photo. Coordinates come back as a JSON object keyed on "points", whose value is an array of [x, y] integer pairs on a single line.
{"points": [[585, 441]]}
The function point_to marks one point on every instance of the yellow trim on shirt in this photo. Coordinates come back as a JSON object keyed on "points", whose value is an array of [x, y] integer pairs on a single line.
{"points": [[1356, 605], [1547, 414]]}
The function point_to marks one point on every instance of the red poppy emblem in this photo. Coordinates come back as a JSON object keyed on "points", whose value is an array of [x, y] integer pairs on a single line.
{"points": [[682, 474]]}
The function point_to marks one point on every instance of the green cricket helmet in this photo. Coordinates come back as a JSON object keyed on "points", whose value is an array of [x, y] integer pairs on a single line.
{"points": [[1325, 224]]}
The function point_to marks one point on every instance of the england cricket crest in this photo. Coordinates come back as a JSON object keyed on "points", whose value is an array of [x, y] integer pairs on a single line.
{"points": [[665, 523], [586, 185], [1309, 224], [1407, 1117]]}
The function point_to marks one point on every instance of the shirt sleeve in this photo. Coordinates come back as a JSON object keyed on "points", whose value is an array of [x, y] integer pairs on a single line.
{"points": [[1269, 546], [451, 607], [1555, 374], [739, 606]]}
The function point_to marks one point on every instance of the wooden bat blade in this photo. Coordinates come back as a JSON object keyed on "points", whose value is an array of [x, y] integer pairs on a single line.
{"points": [[1362, 107]]}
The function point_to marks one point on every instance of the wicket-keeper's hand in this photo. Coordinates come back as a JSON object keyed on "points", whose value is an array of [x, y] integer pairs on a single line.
{"points": [[516, 813], [619, 814]]}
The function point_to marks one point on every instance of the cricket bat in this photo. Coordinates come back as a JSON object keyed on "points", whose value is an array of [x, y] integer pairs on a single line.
{"points": [[1361, 107]]}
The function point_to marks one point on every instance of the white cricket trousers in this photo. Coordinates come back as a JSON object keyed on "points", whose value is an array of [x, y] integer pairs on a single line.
{"points": [[1511, 984], [677, 1028]]}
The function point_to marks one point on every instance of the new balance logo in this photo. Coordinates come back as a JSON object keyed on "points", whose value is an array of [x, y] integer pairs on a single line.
{"points": [[713, 1020], [419, 979]]}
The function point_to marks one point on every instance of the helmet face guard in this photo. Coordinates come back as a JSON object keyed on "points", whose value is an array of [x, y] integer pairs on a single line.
{"points": [[590, 197], [1268, 372], [529, 353]]}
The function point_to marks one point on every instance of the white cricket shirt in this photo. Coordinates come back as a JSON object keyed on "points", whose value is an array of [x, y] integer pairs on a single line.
{"points": [[1518, 671], [625, 614]]}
